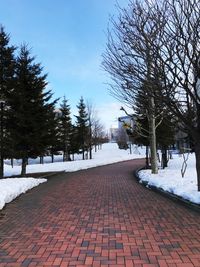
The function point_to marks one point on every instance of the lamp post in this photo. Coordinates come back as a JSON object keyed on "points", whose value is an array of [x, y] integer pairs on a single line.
{"points": [[2, 102]]}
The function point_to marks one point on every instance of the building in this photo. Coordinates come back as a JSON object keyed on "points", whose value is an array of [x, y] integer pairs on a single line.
{"points": [[113, 136]]}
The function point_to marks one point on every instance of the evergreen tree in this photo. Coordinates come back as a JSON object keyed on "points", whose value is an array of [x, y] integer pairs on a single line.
{"points": [[65, 129], [7, 69], [7, 64], [74, 145], [29, 109], [52, 137], [166, 136], [165, 125], [82, 127]]}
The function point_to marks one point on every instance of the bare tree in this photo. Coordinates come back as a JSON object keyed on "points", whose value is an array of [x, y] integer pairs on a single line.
{"points": [[157, 43], [96, 129], [98, 133], [178, 54], [130, 61], [91, 117]]}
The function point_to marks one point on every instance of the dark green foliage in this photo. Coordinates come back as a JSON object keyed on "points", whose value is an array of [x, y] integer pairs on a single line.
{"points": [[165, 125], [7, 64], [7, 69], [30, 113], [166, 132], [82, 127], [140, 136], [74, 144], [51, 135], [65, 129]]}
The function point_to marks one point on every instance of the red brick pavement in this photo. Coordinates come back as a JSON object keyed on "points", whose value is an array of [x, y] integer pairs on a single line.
{"points": [[98, 217]]}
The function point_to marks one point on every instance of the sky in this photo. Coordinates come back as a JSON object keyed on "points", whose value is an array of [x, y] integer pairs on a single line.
{"points": [[68, 37]]}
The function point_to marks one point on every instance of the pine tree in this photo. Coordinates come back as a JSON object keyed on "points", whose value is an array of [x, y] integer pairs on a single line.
{"points": [[52, 136], [166, 136], [82, 127], [65, 129], [7, 69], [165, 125], [74, 145], [29, 109]]}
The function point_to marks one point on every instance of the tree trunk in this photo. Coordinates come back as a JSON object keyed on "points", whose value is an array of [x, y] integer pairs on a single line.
{"points": [[90, 142], [152, 135], [83, 154], [164, 157], [130, 148], [12, 163], [65, 156], [147, 157], [2, 166], [66, 153], [197, 154], [90, 151], [52, 157], [197, 147], [41, 160], [68, 156], [2, 145], [24, 164]]}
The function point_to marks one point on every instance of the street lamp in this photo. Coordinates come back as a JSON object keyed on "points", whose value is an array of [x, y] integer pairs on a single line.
{"points": [[2, 102]]}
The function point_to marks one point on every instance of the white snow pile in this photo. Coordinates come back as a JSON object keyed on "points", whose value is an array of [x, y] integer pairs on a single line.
{"points": [[11, 188], [107, 155], [170, 179]]}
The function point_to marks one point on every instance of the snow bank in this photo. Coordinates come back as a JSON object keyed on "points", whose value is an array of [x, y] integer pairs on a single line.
{"points": [[109, 154], [11, 188], [170, 179]]}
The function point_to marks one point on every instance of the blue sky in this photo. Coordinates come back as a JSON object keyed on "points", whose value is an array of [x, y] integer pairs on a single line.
{"points": [[68, 37]]}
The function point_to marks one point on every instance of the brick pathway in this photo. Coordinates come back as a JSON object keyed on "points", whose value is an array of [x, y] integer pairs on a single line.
{"points": [[98, 217]]}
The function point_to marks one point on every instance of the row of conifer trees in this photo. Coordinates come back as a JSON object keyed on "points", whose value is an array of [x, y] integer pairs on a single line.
{"points": [[30, 127]]}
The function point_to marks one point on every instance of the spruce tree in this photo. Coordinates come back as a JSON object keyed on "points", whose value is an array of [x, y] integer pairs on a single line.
{"points": [[65, 129], [29, 109], [7, 69], [52, 137], [74, 145], [82, 127], [165, 125]]}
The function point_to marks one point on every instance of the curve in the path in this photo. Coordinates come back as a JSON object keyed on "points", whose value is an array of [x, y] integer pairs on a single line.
{"points": [[98, 217]]}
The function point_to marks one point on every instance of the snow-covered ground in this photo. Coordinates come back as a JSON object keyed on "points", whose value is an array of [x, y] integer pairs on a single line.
{"points": [[170, 179], [10, 188], [107, 155]]}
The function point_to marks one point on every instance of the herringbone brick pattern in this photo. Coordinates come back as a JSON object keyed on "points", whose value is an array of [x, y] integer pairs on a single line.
{"points": [[98, 217]]}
